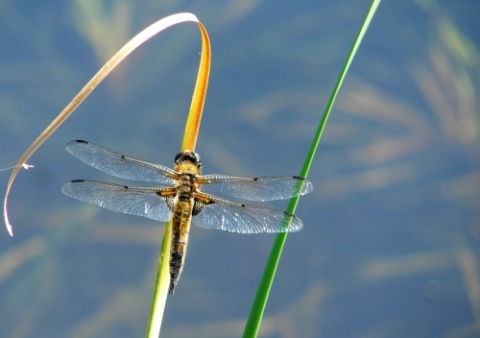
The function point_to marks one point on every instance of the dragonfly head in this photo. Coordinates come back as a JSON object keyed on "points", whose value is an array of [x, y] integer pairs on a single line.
{"points": [[188, 156]]}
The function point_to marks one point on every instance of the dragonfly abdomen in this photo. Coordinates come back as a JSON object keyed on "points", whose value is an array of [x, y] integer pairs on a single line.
{"points": [[181, 218]]}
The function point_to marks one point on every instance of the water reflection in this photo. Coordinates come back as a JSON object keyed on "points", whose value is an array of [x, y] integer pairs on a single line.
{"points": [[390, 234]]}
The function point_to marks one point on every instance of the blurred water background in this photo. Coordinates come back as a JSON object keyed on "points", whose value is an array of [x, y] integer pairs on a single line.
{"points": [[390, 246]]}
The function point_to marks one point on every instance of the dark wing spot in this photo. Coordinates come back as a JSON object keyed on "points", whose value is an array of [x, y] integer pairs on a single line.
{"points": [[169, 200], [82, 141], [198, 206], [77, 181]]}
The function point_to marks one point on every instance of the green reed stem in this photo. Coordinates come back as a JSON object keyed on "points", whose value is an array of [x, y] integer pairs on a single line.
{"points": [[258, 307]]}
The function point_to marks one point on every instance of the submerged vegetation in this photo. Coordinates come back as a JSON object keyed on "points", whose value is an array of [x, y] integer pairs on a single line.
{"points": [[390, 234]]}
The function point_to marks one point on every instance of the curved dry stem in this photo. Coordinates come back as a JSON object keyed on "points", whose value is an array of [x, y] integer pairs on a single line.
{"points": [[198, 100], [189, 141], [129, 47]]}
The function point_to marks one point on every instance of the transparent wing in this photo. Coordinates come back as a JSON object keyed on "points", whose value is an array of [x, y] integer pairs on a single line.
{"points": [[153, 203], [118, 165], [211, 212], [255, 188]]}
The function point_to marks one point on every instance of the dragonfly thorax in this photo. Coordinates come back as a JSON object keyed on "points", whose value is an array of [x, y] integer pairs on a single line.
{"points": [[186, 186]]}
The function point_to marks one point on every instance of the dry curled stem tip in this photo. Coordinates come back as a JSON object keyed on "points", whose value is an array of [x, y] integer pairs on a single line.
{"points": [[130, 46]]}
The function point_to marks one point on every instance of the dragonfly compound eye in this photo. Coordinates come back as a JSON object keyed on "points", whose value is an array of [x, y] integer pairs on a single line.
{"points": [[198, 161], [189, 156], [178, 157]]}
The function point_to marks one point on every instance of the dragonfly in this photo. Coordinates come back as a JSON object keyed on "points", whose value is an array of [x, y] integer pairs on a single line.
{"points": [[185, 196]]}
